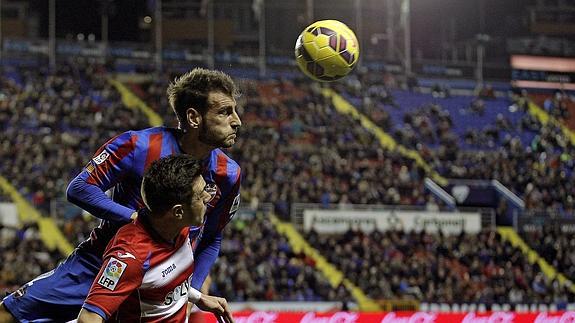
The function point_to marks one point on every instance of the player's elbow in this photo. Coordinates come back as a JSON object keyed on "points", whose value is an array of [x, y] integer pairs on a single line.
{"points": [[74, 190], [86, 316]]}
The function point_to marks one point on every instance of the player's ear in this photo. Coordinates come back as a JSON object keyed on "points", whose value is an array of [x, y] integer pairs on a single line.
{"points": [[178, 211], [194, 118]]}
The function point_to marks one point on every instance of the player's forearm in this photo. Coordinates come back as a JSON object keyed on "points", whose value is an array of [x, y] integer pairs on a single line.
{"points": [[92, 199], [205, 256], [89, 317], [216, 305]]}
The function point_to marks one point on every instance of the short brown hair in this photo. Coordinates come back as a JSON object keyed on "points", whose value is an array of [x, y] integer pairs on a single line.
{"points": [[168, 181], [191, 90]]}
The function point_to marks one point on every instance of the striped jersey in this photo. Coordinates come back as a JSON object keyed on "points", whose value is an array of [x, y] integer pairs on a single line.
{"points": [[119, 166], [144, 278]]}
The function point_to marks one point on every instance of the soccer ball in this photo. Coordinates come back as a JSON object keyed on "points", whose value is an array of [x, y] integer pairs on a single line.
{"points": [[326, 50]]}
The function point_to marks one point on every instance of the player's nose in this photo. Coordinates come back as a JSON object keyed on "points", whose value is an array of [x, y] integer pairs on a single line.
{"points": [[236, 121]]}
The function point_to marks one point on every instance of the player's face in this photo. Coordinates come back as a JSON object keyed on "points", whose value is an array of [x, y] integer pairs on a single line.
{"points": [[220, 123], [197, 207]]}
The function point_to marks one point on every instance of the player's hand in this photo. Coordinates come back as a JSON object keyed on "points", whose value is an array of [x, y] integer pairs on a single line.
{"points": [[134, 215], [216, 305]]}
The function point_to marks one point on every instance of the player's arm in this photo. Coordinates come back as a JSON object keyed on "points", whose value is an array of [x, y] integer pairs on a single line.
{"points": [[89, 317], [205, 256], [213, 304], [120, 275], [209, 246], [111, 162]]}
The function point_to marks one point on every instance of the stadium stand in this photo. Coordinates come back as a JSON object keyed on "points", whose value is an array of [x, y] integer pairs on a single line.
{"points": [[248, 270], [320, 157], [52, 123], [23, 256], [465, 268], [468, 137], [555, 244]]}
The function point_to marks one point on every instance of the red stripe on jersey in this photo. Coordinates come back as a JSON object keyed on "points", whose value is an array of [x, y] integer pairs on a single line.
{"points": [[126, 148], [106, 144], [237, 179], [154, 149], [222, 168]]}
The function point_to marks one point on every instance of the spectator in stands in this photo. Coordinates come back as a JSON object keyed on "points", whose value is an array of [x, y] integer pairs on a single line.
{"points": [[23, 256], [429, 267], [248, 270], [486, 92], [440, 91]]}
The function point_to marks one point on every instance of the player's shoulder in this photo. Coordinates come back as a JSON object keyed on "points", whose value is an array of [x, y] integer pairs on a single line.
{"points": [[154, 136], [131, 241], [153, 130], [223, 166], [221, 155]]}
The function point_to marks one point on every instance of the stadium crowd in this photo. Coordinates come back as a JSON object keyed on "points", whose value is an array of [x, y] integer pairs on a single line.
{"points": [[249, 270], [539, 170], [23, 256], [52, 122], [465, 268], [556, 244], [293, 147]]}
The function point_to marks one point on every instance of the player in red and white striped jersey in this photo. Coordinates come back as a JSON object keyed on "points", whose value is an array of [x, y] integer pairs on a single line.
{"points": [[148, 264]]}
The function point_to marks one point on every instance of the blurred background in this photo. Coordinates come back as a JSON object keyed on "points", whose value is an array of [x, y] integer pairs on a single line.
{"points": [[436, 182]]}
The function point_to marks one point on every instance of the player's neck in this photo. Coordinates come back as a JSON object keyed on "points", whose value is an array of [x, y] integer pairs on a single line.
{"points": [[168, 233], [191, 145], [160, 228]]}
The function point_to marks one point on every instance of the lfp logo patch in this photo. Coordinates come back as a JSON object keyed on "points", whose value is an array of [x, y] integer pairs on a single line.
{"points": [[101, 157], [112, 273]]}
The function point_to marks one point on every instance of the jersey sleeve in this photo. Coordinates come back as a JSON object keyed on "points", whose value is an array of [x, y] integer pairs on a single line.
{"points": [[209, 245], [120, 275], [110, 164]]}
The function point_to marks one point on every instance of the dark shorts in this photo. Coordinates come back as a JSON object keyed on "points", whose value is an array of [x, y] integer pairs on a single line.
{"points": [[58, 295]]}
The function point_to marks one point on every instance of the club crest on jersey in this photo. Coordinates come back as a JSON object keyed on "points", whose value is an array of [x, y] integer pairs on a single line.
{"points": [[212, 189], [112, 273], [101, 157]]}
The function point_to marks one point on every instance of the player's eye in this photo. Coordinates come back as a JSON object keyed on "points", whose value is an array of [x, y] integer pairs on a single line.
{"points": [[227, 111]]}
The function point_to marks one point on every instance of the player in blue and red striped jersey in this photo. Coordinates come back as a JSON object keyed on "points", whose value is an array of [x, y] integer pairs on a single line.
{"points": [[205, 104], [147, 265]]}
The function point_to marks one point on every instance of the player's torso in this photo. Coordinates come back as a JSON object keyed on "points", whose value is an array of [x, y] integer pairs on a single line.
{"points": [[151, 144], [163, 293]]}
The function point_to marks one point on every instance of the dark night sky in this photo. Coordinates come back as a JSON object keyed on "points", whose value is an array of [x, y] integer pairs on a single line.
{"points": [[84, 16], [501, 18]]}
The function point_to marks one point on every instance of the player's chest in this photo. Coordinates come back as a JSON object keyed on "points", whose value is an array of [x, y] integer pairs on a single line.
{"points": [[169, 268]]}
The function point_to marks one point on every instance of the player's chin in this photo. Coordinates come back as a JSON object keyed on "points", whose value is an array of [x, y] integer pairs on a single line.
{"points": [[228, 142], [196, 223]]}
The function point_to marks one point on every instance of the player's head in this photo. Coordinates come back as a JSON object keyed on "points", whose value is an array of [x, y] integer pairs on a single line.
{"points": [[173, 187], [205, 101]]}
